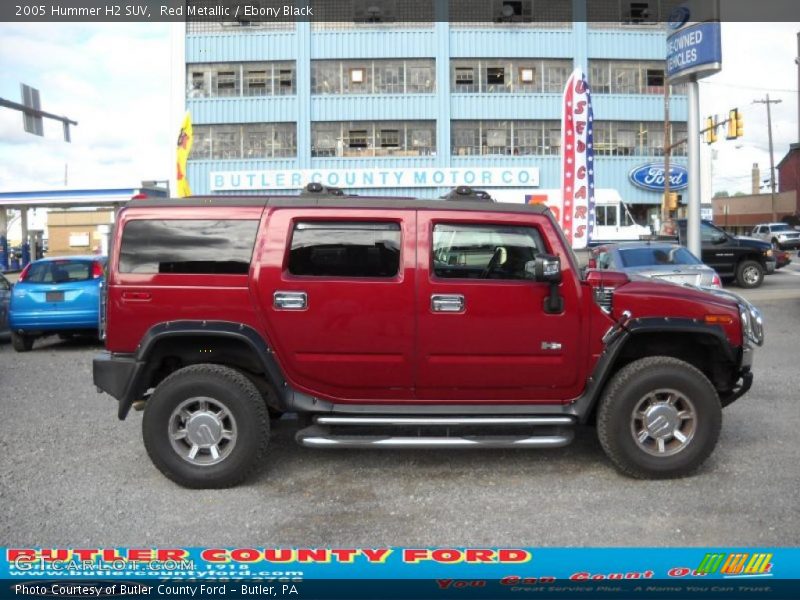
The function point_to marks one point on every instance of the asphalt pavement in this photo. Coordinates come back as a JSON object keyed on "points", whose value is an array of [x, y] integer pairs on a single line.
{"points": [[71, 474]]}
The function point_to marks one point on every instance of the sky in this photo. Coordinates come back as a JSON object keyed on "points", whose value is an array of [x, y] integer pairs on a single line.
{"points": [[115, 80]]}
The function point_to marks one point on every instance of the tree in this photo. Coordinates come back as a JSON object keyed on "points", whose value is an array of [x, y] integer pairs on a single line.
{"points": [[721, 194]]}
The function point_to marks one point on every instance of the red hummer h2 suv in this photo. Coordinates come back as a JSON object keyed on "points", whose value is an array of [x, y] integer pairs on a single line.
{"points": [[389, 323]]}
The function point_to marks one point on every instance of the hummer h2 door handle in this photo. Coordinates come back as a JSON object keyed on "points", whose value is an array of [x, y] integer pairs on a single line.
{"points": [[290, 300], [450, 303]]}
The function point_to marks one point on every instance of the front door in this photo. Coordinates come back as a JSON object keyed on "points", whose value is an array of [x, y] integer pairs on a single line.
{"points": [[483, 334]]}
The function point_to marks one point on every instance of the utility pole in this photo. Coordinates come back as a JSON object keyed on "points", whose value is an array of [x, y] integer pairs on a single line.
{"points": [[667, 153], [797, 62], [768, 102]]}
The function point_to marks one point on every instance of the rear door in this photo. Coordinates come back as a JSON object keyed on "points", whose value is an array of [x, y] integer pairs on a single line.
{"points": [[336, 290], [483, 334]]}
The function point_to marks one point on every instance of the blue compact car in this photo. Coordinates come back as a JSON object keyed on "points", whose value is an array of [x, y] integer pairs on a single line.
{"points": [[56, 296]]}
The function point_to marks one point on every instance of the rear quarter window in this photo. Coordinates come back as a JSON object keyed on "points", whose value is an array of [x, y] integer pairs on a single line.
{"points": [[59, 271], [220, 247]]}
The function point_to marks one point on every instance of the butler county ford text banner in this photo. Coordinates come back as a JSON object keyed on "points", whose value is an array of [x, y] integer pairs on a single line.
{"points": [[295, 179], [389, 572]]}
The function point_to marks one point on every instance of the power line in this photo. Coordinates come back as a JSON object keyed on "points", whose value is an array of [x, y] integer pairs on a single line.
{"points": [[749, 87]]}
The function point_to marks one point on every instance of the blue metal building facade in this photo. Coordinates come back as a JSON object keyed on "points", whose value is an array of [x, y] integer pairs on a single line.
{"points": [[303, 43]]}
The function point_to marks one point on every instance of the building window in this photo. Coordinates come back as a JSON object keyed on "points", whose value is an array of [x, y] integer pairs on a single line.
{"points": [[226, 83], [373, 77], [526, 74], [628, 77], [342, 249], [357, 79], [634, 138], [505, 137], [241, 79], [357, 138], [512, 11], [382, 138], [509, 75], [357, 75], [255, 82], [244, 141]]}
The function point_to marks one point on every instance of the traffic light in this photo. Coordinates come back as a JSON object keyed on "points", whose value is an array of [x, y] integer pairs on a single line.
{"points": [[711, 130], [739, 124], [671, 201]]}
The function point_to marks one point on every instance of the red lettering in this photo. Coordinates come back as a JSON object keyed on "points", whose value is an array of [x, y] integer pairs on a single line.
{"points": [[245, 555], [278, 554], [476, 555], [20, 554], [444, 583], [580, 126], [214, 555], [580, 231], [580, 107], [344, 554], [513, 555], [140, 554], [414, 555], [171, 554], [447, 555], [376, 554], [312, 555], [581, 193]]}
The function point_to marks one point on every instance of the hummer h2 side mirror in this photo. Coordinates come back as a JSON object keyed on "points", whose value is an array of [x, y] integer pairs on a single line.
{"points": [[546, 268]]}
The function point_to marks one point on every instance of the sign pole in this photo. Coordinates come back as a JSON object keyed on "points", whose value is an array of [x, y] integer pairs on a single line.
{"points": [[693, 126]]}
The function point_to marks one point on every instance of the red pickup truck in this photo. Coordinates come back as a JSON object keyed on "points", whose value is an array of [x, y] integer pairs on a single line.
{"points": [[395, 323]]}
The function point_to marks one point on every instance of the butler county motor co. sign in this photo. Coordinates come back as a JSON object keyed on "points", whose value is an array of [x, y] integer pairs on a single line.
{"points": [[292, 179]]}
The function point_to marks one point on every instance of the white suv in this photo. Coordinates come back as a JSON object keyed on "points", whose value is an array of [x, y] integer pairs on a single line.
{"points": [[780, 235]]}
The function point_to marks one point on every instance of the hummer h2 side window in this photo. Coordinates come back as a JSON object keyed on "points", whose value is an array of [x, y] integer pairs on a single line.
{"points": [[182, 246], [345, 249], [484, 251]]}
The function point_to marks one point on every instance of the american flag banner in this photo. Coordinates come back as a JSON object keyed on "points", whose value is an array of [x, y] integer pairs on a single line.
{"points": [[578, 210]]}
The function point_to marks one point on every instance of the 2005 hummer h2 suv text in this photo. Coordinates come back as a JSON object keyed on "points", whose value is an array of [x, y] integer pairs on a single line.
{"points": [[403, 323]]}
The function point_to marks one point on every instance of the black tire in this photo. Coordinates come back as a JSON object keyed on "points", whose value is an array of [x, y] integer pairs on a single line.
{"points": [[749, 274], [21, 342], [224, 386], [622, 397]]}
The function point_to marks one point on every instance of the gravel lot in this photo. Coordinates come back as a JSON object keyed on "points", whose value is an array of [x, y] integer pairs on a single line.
{"points": [[72, 474]]}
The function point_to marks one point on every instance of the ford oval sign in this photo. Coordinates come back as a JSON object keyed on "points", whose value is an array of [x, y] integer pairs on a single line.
{"points": [[651, 177]]}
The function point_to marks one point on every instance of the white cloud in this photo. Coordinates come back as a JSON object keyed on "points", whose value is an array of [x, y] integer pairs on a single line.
{"points": [[114, 80], [757, 58]]}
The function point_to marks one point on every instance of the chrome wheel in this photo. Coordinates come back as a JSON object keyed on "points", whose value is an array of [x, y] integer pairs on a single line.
{"points": [[202, 431], [751, 275], [663, 422]]}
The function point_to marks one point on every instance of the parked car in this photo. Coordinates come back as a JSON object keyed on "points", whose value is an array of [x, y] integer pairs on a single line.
{"points": [[780, 235], [782, 258], [56, 296], [397, 323], [5, 298], [741, 258], [657, 260]]}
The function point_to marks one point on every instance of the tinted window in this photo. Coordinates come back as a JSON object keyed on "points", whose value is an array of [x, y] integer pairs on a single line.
{"points": [[709, 233], [647, 257], [339, 249], [484, 251], [181, 246], [781, 228], [4, 284], [59, 271]]}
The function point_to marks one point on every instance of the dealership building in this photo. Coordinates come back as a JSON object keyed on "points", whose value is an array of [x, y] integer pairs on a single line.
{"points": [[363, 99]]}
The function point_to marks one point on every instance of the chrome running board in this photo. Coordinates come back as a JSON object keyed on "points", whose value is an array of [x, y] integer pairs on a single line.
{"points": [[437, 432]]}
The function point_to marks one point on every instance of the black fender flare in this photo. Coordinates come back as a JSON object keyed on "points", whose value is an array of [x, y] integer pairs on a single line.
{"points": [[221, 329], [583, 406]]}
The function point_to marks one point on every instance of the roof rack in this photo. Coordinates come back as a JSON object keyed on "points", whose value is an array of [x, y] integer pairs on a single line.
{"points": [[317, 189], [464, 192]]}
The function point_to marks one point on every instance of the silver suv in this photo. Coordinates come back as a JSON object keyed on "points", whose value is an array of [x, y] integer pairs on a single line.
{"points": [[780, 235]]}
